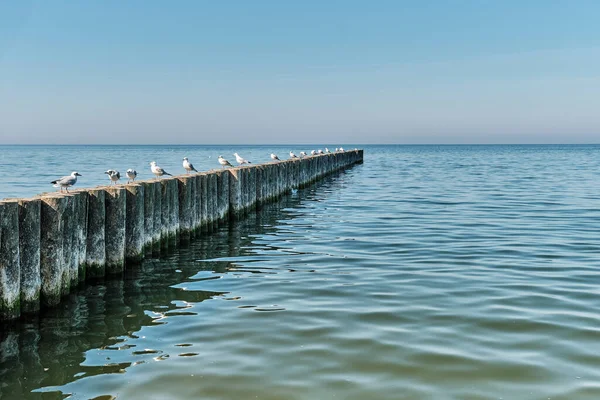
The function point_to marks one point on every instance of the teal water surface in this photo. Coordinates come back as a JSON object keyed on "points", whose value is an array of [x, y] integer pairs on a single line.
{"points": [[428, 272]]}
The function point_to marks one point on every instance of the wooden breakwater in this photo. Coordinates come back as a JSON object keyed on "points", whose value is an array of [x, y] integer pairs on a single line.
{"points": [[53, 242]]}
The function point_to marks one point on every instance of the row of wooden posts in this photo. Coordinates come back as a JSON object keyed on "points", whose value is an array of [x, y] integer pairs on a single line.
{"points": [[51, 243]]}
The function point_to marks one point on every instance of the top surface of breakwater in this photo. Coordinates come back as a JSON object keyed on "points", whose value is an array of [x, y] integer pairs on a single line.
{"points": [[52, 242]]}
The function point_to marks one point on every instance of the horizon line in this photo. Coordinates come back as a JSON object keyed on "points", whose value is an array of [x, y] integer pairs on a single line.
{"points": [[303, 144]]}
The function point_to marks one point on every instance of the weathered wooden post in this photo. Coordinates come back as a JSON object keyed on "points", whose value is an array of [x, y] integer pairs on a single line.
{"points": [[52, 261], [213, 199], [135, 236], [202, 199], [194, 206], [251, 188], [157, 223], [223, 194], [116, 205], [165, 217], [186, 213], [80, 210], [10, 270], [29, 253], [95, 256], [148, 216], [259, 185], [173, 212], [235, 193]]}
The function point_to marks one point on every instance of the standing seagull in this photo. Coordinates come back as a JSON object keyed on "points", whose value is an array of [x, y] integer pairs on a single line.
{"points": [[188, 166], [292, 155], [224, 162], [131, 175], [241, 160], [313, 152], [158, 171], [274, 157], [326, 150], [302, 154], [66, 181], [113, 175]]}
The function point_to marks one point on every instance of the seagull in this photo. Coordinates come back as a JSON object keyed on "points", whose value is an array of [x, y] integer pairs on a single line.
{"points": [[336, 149], [319, 151], [188, 166], [327, 150], [158, 171], [302, 154], [312, 152], [131, 175], [66, 181], [292, 155], [241, 160], [113, 175], [274, 157], [224, 162], [342, 149]]}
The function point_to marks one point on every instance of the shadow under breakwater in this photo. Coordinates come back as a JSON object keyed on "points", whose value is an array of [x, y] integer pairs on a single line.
{"points": [[49, 349]]}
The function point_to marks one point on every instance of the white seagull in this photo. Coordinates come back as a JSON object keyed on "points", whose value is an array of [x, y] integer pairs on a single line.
{"points": [[188, 166], [342, 149], [241, 160], [292, 155], [312, 152], [66, 181], [302, 154], [224, 162], [326, 150], [158, 171], [319, 151], [274, 157], [113, 175], [131, 175]]}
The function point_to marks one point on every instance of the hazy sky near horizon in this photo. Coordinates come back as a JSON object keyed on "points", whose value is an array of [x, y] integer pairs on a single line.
{"points": [[272, 71]]}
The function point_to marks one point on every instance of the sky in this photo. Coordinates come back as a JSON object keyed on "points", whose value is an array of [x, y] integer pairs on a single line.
{"points": [[277, 72]]}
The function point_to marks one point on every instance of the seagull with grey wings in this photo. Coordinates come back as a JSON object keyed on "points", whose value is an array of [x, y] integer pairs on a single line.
{"points": [[131, 175], [274, 157], [158, 171], [224, 163], [66, 181], [240, 160], [113, 175], [188, 166], [292, 155]]}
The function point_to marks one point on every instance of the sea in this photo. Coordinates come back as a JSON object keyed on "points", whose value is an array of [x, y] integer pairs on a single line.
{"points": [[427, 272]]}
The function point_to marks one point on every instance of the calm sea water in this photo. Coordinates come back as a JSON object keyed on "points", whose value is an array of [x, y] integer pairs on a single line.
{"points": [[428, 272]]}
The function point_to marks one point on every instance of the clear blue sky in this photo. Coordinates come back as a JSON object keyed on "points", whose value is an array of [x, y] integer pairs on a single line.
{"points": [[299, 71]]}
